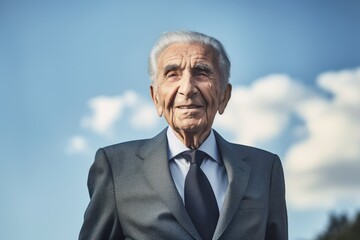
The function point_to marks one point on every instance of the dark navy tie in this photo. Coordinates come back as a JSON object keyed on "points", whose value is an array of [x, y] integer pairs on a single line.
{"points": [[200, 201]]}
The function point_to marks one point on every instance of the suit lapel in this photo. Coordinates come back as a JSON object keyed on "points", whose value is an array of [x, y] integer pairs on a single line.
{"points": [[156, 171], [238, 173]]}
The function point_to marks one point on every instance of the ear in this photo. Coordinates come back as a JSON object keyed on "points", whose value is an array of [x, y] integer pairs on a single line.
{"points": [[155, 99], [225, 99]]}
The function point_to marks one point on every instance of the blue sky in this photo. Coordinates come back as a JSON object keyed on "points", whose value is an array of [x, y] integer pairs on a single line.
{"points": [[74, 78]]}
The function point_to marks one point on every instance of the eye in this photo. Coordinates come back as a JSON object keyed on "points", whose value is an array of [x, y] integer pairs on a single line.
{"points": [[202, 71], [170, 75], [196, 72]]}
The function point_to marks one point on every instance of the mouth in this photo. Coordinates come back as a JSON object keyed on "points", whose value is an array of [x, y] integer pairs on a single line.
{"points": [[188, 106]]}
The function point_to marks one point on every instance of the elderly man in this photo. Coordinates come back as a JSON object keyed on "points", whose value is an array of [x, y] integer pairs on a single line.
{"points": [[187, 182]]}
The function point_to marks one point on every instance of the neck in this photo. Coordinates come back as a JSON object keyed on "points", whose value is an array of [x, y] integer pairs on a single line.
{"points": [[190, 139]]}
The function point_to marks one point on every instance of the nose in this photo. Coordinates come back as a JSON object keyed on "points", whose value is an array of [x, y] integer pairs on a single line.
{"points": [[187, 86]]}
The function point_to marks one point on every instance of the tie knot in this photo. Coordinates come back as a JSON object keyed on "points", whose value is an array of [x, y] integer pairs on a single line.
{"points": [[194, 156]]}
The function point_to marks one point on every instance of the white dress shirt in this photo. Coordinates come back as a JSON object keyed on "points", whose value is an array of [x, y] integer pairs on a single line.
{"points": [[212, 166]]}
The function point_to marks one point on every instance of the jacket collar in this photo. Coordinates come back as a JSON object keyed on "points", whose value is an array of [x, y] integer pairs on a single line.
{"points": [[156, 170], [238, 173]]}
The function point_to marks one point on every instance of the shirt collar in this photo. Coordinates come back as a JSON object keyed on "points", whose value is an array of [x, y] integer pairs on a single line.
{"points": [[209, 146]]}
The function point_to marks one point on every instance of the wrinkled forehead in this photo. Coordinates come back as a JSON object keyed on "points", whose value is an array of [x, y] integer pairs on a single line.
{"points": [[190, 53]]}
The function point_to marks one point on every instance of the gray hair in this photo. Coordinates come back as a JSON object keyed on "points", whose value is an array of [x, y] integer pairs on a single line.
{"points": [[183, 36]]}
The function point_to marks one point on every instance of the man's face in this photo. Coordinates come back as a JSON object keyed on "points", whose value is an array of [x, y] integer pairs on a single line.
{"points": [[187, 90]]}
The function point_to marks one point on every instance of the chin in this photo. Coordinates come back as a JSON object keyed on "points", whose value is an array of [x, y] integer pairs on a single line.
{"points": [[192, 128]]}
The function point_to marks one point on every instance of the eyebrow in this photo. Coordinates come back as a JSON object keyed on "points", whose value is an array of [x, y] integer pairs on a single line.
{"points": [[198, 67], [171, 67], [204, 67]]}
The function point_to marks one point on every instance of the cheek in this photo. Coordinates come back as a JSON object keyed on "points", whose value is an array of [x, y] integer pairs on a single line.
{"points": [[211, 95], [168, 93]]}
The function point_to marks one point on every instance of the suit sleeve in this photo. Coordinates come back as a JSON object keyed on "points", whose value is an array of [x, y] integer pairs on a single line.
{"points": [[101, 218], [277, 225]]}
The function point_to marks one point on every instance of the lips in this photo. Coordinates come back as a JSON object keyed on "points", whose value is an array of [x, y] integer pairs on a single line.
{"points": [[188, 106]]}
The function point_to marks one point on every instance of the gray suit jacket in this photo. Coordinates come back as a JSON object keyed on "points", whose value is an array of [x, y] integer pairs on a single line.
{"points": [[133, 195]]}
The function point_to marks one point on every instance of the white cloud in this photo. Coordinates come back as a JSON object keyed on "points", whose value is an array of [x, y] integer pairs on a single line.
{"points": [[76, 145], [323, 166], [105, 111], [260, 112], [144, 117], [344, 85], [108, 110]]}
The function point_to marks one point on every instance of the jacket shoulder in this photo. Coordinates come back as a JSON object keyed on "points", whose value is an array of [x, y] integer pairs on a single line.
{"points": [[128, 146], [129, 149], [243, 149], [250, 150]]}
